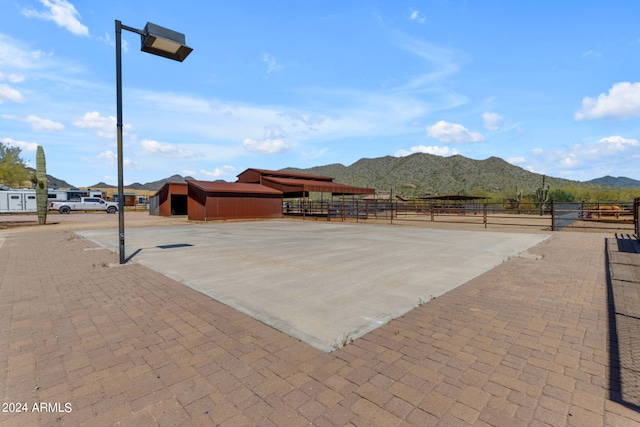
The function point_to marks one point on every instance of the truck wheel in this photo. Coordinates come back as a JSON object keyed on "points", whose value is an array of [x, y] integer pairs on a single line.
{"points": [[65, 210], [111, 209]]}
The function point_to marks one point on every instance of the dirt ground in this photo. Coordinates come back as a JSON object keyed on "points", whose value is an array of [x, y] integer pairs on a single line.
{"points": [[82, 220]]}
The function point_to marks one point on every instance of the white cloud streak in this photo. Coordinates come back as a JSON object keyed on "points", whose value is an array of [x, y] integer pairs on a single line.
{"points": [[23, 145], [63, 13], [111, 158], [272, 142], [435, 150], [613, 155], [417, 17], [38, 124], [151, 147], [7, 93], [492, 121], [105, 127], [13, 78], [225, 170], [272, 64], [43, 125]]}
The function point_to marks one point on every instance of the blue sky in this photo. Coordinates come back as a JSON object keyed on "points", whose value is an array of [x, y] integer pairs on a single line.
{"points": [[553, 87]]}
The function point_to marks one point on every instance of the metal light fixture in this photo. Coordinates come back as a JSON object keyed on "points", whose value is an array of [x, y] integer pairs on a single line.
{"points": [[164, 42], [158, 41]]}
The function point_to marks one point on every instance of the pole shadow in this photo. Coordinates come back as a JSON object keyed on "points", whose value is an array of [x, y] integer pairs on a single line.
{"points": [[623, 295]]}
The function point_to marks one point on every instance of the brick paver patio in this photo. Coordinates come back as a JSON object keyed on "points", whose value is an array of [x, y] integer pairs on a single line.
{"points": [[523, 344]]}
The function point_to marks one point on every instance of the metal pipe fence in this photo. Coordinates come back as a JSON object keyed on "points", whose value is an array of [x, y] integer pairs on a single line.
{"points": [[554, 216]]}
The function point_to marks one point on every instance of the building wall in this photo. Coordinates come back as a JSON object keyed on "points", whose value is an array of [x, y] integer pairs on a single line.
{"points": [[249, 176], [233, 206], [164, 196]]}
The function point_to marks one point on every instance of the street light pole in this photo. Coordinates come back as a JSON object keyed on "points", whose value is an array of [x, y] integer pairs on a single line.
{"points": [[119, 142], [158, 41]]}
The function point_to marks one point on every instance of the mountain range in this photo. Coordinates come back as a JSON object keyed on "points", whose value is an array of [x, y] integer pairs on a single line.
{"points": [[619, 181], [150, 186], [422, 173]]}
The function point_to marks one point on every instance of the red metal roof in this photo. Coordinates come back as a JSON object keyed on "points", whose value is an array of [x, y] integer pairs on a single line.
{"points": [[292, 185], [232, 187], [285, 174]]}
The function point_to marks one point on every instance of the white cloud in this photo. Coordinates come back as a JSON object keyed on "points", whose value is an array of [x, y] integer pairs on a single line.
{"points": [[416, 16], [7, 93], [443, 62], [271, 143], [23, 145], [270, 146], [492, 121], [62, 13], [618, 143], [438, 151], [13, 78], [37, 123], [517, 160], [452, 132], [105, 127], [612, 155], [225, 170], [112, 158], [272, 64], [43, 125], [622, 102], [165, 150], [591, 53]]}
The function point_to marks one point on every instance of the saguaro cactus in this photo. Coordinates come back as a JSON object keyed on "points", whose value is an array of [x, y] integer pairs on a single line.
{"points": [[542, 196], [518, 199], [42, 187]]}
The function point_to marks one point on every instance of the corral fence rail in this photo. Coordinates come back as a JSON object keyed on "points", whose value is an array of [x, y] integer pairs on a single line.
{"points": [[551, 216]]}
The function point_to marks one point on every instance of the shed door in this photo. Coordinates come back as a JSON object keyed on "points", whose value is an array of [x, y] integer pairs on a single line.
{"points": [[15, 202], [179, 204], [30, 203]]}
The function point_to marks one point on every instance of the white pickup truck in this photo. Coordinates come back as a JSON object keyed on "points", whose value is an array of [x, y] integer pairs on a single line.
{"points": [[85, 204]]}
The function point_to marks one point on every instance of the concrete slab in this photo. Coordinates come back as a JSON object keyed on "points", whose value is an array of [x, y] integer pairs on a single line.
{"points": [[323, 283]]}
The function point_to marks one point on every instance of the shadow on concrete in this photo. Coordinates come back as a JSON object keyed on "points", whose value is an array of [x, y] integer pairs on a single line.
{"points": [[622, 257], [130, 257]]}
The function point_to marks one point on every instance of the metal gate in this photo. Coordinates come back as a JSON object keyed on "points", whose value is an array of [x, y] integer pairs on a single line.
{"points": [[616, 216]]}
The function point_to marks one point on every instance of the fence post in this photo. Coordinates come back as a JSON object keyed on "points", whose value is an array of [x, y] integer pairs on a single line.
{"points": [[636, 216], [553, 215], [391, 210], [431, 210]]}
